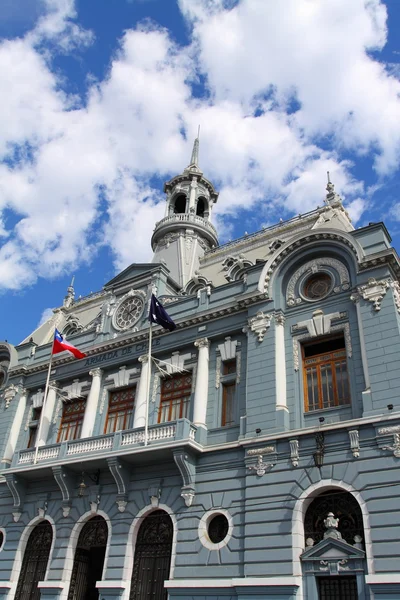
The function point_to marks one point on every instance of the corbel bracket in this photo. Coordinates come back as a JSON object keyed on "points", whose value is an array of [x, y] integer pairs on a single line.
{"points": [[17, 487], [186, 464], [121, 474], [65, 481]]}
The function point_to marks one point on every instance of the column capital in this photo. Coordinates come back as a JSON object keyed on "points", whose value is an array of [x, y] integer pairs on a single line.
{"points": [[202, 343], [96, 372], [144, 359], [280, 319], [54, 384]]}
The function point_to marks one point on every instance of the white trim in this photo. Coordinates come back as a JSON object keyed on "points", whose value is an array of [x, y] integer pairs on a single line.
{"points": [[384, 578], [73, 541], [230, 583], [19, 554], [203, 529], [299, 512], [131, 543]]}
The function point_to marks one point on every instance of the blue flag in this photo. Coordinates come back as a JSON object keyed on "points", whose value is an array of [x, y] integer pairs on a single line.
{"points": [[159, 315]]}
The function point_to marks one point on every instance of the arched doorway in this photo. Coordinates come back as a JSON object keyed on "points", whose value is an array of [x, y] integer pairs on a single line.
{"points": [[89, 560], [35, 561], [152, 557]]}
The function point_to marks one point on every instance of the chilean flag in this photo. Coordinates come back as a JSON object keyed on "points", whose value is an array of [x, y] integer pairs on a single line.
{"points": [[60, 344]]}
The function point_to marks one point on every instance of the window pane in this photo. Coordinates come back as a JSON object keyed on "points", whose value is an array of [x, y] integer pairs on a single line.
{"points": [[71, 422], [175, 398], [326, 378], [229, 367], [120, 410], [228, 404]]}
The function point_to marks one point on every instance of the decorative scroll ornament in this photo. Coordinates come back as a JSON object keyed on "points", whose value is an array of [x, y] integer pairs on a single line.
{"points": [[374, 291], [261, 451], [260, 324], [396, 446], [396, 294], [294, 452], [10, 393], [261, 467], [392, 429], [354, 442]]}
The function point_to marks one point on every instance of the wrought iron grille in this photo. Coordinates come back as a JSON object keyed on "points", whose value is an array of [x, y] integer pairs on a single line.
{"points": [[89, 560], [337, 588], [34, 564], [344, 506], [152, 558]]}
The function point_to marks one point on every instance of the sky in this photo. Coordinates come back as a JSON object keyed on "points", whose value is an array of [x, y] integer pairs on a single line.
{"points": [[101, 101]]}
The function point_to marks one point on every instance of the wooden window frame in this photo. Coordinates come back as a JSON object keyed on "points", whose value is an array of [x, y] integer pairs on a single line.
{"points": [[182, 394], [323, 359], [119, 407], [34, 427], [228, 381], [74, 417]]}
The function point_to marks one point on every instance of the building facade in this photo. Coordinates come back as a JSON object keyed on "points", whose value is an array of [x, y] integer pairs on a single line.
{"points": [[270, 468]]}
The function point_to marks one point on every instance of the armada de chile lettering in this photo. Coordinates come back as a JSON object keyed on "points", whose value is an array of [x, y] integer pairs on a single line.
{"points": [[120, 353]]}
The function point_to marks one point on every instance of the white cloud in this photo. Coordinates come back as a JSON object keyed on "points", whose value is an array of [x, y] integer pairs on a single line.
{"points": [[78, 176], [46, 315]]}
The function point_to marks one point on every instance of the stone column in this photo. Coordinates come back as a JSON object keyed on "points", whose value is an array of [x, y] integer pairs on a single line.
{"points": [[141, 402], [91, 404], [47, 413], [201, 389], [280, 373], [15, 427]]}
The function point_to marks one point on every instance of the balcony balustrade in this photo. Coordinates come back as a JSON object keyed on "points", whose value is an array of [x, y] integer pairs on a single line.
{"points": [[109, 444]]}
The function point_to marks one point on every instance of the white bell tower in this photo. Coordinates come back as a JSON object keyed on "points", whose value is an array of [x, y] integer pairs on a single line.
{"points": [[182, 237]]}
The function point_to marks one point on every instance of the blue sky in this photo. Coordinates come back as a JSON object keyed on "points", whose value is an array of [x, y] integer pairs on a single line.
{"points": [[103, 99]]}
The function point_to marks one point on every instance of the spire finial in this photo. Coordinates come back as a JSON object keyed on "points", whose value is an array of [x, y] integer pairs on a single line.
{"points": [[70, 297], [331, 196]]}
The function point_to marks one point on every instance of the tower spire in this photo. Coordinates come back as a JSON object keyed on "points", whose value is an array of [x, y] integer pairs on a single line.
{"points": [[194, 160]]}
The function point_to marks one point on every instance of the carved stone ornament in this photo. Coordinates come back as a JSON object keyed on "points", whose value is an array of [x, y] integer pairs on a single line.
{"points": [[331, 525], [218, 372], [202, 343], [374, 291], [122, 504], [10, 393], [294, 452], [392, 429], [319, 324], [396, 294], [188, 497], [260, 324], [261, 451], [396, 446], [314, 266], [261, 467], [228, 349], [354, 442], [343, 327]]}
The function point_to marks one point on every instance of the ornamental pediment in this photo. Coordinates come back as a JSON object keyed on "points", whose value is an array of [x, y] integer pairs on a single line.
{"points": [[331, 548]]}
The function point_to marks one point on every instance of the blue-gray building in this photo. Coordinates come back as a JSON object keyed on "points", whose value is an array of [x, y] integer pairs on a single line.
{"points": [[254, 455]]}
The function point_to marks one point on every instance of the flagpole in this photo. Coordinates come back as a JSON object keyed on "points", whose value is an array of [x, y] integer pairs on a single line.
{"points": [[146, 422], [46, 391]]}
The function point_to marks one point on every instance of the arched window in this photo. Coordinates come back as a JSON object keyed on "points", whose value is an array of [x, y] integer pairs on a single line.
{"points": [[344, 507], [180, 204], [35, 561], [152, 557], [201, 207], [89, 560]]}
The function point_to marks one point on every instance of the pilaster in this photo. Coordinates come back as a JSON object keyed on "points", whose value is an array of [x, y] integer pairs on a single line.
{"points": [[201, 389], [141, 401], [91, 404]]}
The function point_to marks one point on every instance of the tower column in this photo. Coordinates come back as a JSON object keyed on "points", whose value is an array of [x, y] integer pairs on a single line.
{"points": [[48, 410], [201, 389], [282, 413], [15, 427], [91, 404], [139, 419]]}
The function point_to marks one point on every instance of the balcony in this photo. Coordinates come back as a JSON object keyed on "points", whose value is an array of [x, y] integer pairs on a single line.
{"points": [[114, 444]]}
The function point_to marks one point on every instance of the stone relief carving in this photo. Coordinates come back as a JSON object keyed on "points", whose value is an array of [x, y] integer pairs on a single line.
{"points": [[261, 451], [260, 324], [235, 266], [218, 372], [396, 445], [228, 349], [319, 324], [314, 266], [261, 467], [374, 291], [294, 452], [396, 294], [10, 393], [238, 365], [354, 442], [392, 429]]}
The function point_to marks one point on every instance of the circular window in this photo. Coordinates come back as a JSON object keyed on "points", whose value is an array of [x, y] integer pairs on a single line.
{"points": [[215, 529], [317, 286], [218, 529]]}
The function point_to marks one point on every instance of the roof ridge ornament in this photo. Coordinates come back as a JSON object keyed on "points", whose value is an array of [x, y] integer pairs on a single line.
{"points": [[331, 196], [194, 160]]}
